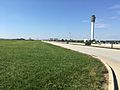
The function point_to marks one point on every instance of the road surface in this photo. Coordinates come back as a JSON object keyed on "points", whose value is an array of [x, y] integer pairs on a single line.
{"points": [[110, 56]]}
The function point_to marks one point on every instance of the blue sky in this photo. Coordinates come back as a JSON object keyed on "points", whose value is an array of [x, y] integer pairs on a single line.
{"points": [[56, 18]]}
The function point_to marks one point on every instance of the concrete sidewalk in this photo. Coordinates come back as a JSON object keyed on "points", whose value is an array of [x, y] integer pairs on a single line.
{"points": [[109, 56]]}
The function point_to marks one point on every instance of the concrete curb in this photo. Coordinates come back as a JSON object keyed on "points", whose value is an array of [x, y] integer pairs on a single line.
{"points": [[111, 79]]}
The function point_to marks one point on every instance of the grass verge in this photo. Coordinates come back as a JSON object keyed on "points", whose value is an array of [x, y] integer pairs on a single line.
{"points": [[34, 65]]}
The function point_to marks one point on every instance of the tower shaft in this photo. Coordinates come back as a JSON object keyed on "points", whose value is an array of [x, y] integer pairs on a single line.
{"points": [[92, 27], [92, 30]]}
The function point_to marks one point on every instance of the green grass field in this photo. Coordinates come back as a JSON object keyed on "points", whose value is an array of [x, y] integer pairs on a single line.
{"points": [[34, 65]]}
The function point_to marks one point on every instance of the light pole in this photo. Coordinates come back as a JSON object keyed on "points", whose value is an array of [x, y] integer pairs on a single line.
{"points": [[92, 27], [70, 36]]}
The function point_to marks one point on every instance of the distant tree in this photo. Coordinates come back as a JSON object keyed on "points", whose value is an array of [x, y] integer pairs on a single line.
{"points": [[62, 40], [30, 39]]}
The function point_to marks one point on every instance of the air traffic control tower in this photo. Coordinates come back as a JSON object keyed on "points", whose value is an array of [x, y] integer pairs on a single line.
{"points": [[92, 27]]}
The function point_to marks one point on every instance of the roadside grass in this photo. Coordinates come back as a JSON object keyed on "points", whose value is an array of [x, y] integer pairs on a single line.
{"points": [[34, 65]]}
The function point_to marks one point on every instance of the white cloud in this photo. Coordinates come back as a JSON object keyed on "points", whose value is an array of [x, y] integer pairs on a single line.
{"points": [[101, 25], [117, 17], [85, 21], [115, 7], [118, 12], [114, 17], [98, 20]]}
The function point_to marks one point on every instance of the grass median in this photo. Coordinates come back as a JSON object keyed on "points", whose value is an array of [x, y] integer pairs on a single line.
{"points": [[34, 65]]}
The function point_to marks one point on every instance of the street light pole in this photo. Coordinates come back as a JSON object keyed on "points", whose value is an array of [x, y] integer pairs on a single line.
{"points": [[70, 35]]}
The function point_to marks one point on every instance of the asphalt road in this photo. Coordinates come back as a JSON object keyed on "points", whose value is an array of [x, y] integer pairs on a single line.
{"points": [[110, 56]]}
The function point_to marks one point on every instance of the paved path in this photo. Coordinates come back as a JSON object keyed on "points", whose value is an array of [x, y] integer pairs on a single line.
{"points": [[110, 56]]}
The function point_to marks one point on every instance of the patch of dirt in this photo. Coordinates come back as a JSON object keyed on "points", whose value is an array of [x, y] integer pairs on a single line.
{"points": [[106, 79]]}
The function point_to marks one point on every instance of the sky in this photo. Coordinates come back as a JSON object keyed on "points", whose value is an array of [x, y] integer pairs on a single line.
{"points": [[42, 19]]}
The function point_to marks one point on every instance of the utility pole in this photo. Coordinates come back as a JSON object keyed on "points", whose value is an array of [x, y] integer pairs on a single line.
{"points": [[70, 35]]}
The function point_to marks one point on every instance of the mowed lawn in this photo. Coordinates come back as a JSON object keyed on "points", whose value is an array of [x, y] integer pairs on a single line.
{"points": [[34, 65]]}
